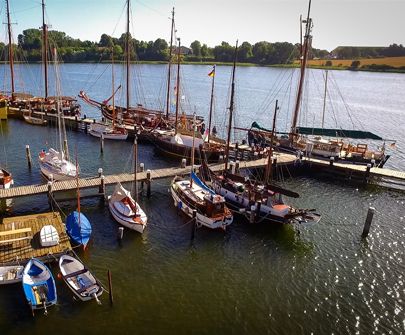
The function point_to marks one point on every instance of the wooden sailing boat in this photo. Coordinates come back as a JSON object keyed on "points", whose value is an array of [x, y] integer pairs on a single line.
{"points": [[111, 132], [180, 142], [27, 102], [123, 207], [55, 164], [260, 202], [145, 119], [316, 141], [191, 194]]}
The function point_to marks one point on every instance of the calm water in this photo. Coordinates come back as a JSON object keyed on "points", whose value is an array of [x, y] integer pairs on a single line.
{"points": [[251, 279]]}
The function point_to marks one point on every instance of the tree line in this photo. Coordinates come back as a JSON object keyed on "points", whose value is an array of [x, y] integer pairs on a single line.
{"points": [[29, 48]]}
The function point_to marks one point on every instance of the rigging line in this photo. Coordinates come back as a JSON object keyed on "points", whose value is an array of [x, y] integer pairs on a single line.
{"points": [[153, 9]]}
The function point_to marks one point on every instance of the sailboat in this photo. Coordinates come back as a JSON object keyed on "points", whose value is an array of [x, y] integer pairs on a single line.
{"points": [[111, 132], [316, 141], [34, 120], [191, 194], [27, 102], [55, 164], [123, 207], [144, 119], [260, 202], [6, 180], [78, 227], [180, 142]]}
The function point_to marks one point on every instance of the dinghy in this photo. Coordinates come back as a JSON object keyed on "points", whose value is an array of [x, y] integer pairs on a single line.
{"points": [[39, 285], [79, 279], [11, 274]]}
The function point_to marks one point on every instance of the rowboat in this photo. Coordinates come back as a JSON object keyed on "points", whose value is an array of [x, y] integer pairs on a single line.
{"points": [[11, 274], [39, 285], [79, 279]]}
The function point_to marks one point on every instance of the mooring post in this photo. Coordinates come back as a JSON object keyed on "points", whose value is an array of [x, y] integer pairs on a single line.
{"points": [[237, 166], [110, 289], [85, 127], [232, 167], [101, 189], [194, 224], [102, 143], [367, 174], [142, 169], [148, 182], [236, 150], [50, 191], [252, 214], [331, 160], [369, 219], [120, 233], [28, 154], [372, 162], [183, 163], [100, 172], [258, 206], [274, 162]]}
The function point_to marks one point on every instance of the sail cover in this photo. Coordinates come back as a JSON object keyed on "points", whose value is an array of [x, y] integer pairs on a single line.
{"points": [[200, 183]]}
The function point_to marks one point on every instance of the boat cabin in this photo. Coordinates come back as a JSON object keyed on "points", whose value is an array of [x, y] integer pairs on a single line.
{"points": [[214, 205]]}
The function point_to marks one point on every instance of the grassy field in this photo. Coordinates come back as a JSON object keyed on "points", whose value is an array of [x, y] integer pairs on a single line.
{"points": [[391, 61]]}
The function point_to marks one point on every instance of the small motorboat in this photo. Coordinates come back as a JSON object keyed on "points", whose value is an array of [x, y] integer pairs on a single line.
{"points": [[39, 285], [11, 274], [79, 279], [78, 228], [126, 211]]}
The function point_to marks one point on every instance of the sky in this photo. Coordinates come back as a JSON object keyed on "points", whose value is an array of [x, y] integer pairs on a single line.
{"points": [[336, 22]]}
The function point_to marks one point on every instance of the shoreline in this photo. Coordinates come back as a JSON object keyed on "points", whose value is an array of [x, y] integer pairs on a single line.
{"points": [[320, 67]]}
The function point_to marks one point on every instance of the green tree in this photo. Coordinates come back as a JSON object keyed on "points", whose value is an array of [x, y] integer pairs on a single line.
{"points": [[245, 52], [196, 47]]}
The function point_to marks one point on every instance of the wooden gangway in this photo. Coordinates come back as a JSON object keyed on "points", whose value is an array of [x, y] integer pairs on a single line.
{"points": [[283, 159]]}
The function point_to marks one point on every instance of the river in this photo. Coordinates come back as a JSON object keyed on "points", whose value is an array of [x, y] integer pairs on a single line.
{"points": [[251, 279]]}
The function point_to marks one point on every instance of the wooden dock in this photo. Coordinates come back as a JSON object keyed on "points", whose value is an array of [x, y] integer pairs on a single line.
{"points": [[283, 159], [19, 239]]}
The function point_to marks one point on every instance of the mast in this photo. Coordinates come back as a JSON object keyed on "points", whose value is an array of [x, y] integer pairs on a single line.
{"points": [[127, 51], [192, 151], [10, 50], [211, 103], [113, 84], [304, 56], [78, 191], [177, 87], [45, 49], [231, 108], [324, 97], [170, 65], [135, 167], [270, 162]]}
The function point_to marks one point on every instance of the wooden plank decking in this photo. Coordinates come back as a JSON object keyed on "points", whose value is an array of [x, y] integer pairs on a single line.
{"points": [[23, 249]]}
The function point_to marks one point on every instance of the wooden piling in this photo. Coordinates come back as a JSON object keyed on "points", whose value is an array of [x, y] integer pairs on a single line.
{"points": [[100, 172], [183, 163], [148, 182], [101, 188], [194, 224], [28, 155], [367, 224], [252, 214], [50, 194], [236, 151], [142, 169], [237, 166], [110, 289], [120, 233], [367, 173], [102, 143], [331, 160]]}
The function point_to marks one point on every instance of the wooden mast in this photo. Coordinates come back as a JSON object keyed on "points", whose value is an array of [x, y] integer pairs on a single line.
{"points": [[177, 88], [211, 103], [10, 51], [169, 70], [78, 194], [324, 97], [193, 152], [135, 167], [269, 166], [127, 51], [45, 50], [231, 108], [113, 84], [305, 49]]}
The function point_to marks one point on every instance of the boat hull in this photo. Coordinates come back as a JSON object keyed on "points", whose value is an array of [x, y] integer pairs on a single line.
{"points": [[201, 220], [124, 220], [107, 132], [11, 274]]}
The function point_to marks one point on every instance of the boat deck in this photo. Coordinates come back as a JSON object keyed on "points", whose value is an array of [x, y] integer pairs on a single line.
{"points": [[19, 238]]}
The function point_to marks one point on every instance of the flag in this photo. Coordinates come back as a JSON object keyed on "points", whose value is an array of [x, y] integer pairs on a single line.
{"points": [[205, 136], [212, 73]]}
